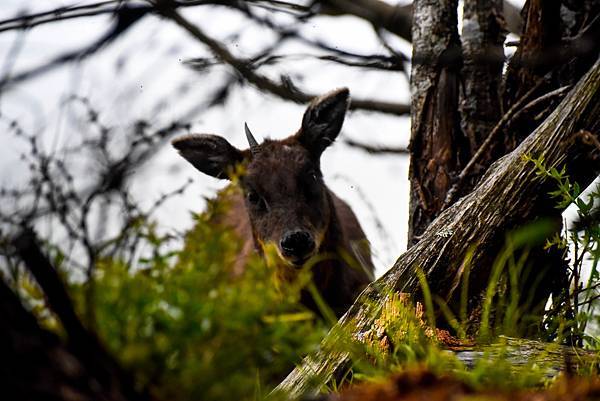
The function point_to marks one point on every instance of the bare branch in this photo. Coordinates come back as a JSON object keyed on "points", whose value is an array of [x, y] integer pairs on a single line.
{"points": [[512, 114], [280, 89], [375, 149], [63, 13], [49, 280], [374, 62], [126, 18], [397, 19]]}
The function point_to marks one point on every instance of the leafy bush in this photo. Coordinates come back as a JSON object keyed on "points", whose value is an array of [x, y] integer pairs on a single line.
{"points": [[191, 331]]}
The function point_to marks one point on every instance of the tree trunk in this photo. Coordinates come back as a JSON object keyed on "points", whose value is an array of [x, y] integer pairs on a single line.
{"points": [[449, 151], [482, 43], [438, 149], [508, 195]]}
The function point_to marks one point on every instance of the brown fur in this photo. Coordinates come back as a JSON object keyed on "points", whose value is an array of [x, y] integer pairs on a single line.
{"points": [[337, 281], [280, 198]]}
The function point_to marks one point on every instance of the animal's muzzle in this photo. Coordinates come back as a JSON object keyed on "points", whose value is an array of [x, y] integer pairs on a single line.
{"points": [[297, 246]]}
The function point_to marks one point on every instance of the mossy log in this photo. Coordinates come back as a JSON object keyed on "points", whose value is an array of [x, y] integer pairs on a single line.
{"points": [[507, 196], [519, 352]]}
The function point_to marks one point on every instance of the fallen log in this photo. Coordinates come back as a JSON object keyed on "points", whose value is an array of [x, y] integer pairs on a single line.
{"points": [[506, 197], [519, 352]]}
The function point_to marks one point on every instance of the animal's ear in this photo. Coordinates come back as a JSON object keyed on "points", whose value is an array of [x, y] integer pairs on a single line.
{"points": [[211, 154], [323, 120]]}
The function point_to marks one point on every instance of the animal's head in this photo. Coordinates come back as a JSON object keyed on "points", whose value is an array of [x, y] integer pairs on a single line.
{"points": [[286, 199]]}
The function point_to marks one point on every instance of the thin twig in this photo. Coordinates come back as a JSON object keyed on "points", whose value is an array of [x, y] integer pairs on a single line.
{"points": [[537, 101], [27, 21], [376, 149], [487, 142]]}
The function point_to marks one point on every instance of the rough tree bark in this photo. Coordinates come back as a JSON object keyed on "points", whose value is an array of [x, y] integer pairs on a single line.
{"points": [[527, 72], [508, 195], [450, 151], [437, 145], [456, 89], [482, 44]]}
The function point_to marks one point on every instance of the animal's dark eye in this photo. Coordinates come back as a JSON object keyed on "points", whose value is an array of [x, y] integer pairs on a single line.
{"points": [[311, 184], [255, 199], [312, 174]]}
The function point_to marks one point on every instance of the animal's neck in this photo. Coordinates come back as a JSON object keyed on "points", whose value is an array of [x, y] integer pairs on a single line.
{"points": [[330, 266], [333, 234], [328, 274]]}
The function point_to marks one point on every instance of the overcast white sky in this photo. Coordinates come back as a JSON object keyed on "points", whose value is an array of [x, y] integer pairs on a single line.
{"points": [[151, 57]]}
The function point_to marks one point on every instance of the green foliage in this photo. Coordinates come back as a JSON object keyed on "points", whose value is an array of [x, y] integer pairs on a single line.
{"points": [[402, 337], [507, 306], [579, 305], [190, 330], [401, 340]]}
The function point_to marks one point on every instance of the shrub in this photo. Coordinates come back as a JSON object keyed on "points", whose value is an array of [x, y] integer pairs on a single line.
{"points": [[190, 331]]}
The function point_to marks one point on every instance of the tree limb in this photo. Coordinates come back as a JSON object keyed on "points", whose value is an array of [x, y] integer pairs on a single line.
{"points": [[37, 365], [397, 19], [375, 149], [266, 84], [126, 17], [485, 145]]}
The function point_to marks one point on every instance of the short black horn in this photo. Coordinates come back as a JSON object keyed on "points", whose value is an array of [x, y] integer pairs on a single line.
{"points": [[251, 141]]}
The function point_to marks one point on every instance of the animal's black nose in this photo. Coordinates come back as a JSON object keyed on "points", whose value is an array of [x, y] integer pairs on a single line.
{"points": [[297, 244]]}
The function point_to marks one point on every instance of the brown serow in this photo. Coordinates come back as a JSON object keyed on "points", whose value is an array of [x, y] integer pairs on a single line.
{"points": [[284, 201]]}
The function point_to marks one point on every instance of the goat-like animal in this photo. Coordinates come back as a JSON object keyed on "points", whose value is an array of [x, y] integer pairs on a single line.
{"points": [[282, 199]]}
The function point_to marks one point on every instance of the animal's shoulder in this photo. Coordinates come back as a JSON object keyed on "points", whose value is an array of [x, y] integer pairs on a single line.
{"points": [[347, 218], [354, 236]]}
